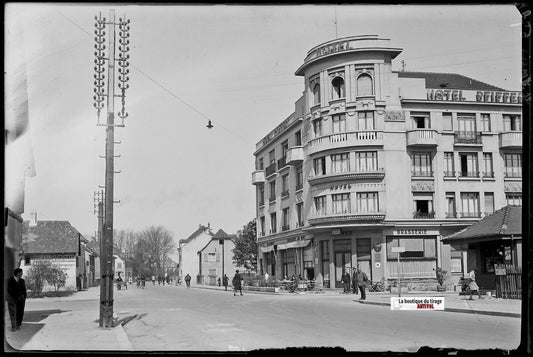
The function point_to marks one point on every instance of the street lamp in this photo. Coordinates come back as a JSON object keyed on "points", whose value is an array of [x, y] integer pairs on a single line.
{"points": [[221, 242]]}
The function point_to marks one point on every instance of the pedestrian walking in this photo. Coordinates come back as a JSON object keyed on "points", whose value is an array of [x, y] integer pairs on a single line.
{"points": [[143, 281], [16, 298], [354, 282], [237, 283], [153, 279], [218, 281], [472, 285], [225, 282], [361, 279], [345, 282], [188, 280], [266, 279]]}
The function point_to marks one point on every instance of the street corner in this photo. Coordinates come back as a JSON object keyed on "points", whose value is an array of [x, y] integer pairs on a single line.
{"points": [[16, 340]]}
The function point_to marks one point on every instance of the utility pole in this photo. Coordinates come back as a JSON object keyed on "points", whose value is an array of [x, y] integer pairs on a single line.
{"points": [[99, 210], [106, 256]]}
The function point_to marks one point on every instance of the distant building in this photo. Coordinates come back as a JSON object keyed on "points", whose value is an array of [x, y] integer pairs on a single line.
{"points": [[59, 243], [375, 161], [216, 258], [188, 252]]}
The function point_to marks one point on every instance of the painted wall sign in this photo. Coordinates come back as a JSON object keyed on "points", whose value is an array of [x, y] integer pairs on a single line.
{"points": [[457, 95], [332, 48]]}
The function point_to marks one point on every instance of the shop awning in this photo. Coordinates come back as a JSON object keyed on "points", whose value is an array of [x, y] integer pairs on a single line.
{"points": [[296, 244]]}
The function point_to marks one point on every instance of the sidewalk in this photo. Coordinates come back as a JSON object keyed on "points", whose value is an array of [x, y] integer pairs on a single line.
{"points": [[453, 302], [48, 330]]}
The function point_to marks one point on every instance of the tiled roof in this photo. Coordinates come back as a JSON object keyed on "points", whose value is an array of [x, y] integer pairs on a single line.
{"points": [[504, 222], [50, 237], [449, 81]]}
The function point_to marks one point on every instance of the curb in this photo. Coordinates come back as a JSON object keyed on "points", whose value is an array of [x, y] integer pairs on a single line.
{"points": [[480, 312]]}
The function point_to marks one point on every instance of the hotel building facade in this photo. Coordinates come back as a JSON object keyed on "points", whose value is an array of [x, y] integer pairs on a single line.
{"points": [[373, 161]]}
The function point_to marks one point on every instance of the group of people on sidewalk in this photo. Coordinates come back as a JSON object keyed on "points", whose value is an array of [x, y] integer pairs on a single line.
{"points": [[358, 280]]}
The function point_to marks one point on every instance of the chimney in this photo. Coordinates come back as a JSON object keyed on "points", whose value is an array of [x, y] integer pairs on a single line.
{"points": [[33, 219]]}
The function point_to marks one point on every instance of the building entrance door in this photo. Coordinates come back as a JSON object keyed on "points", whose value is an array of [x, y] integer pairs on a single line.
{"points": [[343, 261]]}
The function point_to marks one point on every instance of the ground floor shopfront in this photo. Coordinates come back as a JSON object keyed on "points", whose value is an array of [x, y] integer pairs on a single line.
{"points": [[324, 253]]}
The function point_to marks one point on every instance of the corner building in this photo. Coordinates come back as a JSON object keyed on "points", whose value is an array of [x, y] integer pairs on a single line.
{"points": [[373, 159]]}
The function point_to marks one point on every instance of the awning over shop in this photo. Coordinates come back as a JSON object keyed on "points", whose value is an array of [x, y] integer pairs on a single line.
{"points": [[505, 222], [296, 244]]}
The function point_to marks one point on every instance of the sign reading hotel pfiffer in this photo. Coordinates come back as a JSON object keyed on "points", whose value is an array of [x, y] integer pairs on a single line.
{"points": [[480, 96]]}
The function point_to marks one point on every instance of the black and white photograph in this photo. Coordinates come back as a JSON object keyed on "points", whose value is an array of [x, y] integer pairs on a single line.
{"points": [[246, 177]]}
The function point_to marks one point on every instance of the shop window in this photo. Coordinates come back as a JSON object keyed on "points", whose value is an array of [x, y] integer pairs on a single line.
{"points": [[414, 248], [363, 249]]}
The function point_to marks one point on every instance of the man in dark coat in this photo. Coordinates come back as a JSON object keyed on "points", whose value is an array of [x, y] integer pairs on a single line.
{"points": [[361, 279], [237, 283], [188, 280], [346, 282], [225, 282], [16, 298], [355, 288]]}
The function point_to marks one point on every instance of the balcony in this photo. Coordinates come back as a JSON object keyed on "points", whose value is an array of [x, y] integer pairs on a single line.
{"points": [[470, 215], [299, 187], [341, 140], [367, 217], [271, 200], [449, 174], [451, 214], [511, 139], [423, 215], [468, 138], [270, 170], [469, 174], [347, 176], [285, 227], [422, 137], [512, 174], [487, 175], [258, 177], [295, 155], [285, 194]]}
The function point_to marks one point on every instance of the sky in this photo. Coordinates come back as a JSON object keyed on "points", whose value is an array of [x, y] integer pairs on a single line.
{"points": [[233, 65]]}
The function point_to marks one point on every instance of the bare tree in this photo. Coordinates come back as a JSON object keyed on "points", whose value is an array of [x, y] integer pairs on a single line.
{"points": [[126, 241], [157, 243]]}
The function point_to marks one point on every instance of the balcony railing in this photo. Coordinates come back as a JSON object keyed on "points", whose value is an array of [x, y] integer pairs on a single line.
{"points": [[422, 137], [468, 137], [449, 173], [366, 217], [285, 193], [451, 214], [488, 174], [421, 173], [350, 138], [470, 214], [285, 227], [270, 170], [511, 174], [423, 215], [469, 174], [299, 187], [272, 199], [349, 175]]}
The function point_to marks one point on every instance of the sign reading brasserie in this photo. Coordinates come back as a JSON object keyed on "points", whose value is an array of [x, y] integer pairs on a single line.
{"points": [[458, 95], [410, 231]]}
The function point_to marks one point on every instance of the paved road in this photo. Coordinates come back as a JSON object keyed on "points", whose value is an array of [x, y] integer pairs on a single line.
{"points": [[175, 318]]}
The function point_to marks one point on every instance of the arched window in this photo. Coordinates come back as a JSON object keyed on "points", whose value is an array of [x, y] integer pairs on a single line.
{"points": [[364, 85], [338, 88], [316, 94]]}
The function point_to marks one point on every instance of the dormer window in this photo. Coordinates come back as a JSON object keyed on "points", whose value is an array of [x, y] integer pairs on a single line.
{"points": [[337, 85], [364, 85]]}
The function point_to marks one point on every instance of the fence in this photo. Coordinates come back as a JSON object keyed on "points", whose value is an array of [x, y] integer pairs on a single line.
{"points": [[508, 285]]}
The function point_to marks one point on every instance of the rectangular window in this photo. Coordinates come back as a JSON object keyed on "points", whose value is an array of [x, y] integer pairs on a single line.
{"points": [[450, 201], [414, 248], [485, 122], [448, 164], [262, 220], [456, 261], [367, 202], [447, 121], [285, 185], [470, 204], [487, 165], [320, 205], [514, 199], [261, 195], [466, 124], [339, 123], [298, 138], [285, 217], [299, 177], [340, 163], [284, 148], [317, 127], [469, 167], [365, 121], [366, 160], [272, 157], [320, 166], [420, 120], [512, 122], [423, 205], [513, 165], [272, 190], [273, 223], [421, 164], [261, 164], [341, 203], [299, 214], [489, 202], [211, 257], [27, 260], [363, 248]]}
